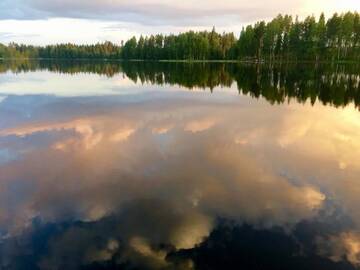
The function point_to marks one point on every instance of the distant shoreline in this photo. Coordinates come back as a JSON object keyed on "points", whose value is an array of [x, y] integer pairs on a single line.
{"points": [[282, 40], [184, 61]]}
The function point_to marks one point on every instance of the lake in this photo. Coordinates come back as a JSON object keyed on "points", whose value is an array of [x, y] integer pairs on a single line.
{"points": [[159, 165]]}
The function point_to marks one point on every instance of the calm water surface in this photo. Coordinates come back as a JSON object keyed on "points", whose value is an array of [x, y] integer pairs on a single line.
{"points": [[179, 166]]}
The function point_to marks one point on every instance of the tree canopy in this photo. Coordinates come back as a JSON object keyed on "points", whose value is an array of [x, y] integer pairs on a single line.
{"points": [[282, 39]]}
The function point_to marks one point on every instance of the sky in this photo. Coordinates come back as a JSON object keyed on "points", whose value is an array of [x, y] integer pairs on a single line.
{"points": [[41, 22]]}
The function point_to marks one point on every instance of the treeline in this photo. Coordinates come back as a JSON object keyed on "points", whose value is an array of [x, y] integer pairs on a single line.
{"points": [[186, 46], [106, 50], [106, 68], [335, 84], [330, 84], [283, 39]]}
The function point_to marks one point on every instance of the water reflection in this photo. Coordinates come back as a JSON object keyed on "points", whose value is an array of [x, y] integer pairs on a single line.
{"points": [[333, 84], [177, 181]]}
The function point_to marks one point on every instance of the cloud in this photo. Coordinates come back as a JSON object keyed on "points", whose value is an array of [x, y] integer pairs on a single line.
{"points": [[117, 20], [165, 192], [347, 245], [143, 11], [122, 134], [7, 37], [198, 126], [116, 158]]}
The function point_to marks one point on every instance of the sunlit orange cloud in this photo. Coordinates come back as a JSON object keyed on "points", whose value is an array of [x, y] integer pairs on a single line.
{"points": [[345, 244], [122, 134], [162, 129], [281, 165], [111, 174], [88, 128], [81, 124], [326, 133], [199, 125]]}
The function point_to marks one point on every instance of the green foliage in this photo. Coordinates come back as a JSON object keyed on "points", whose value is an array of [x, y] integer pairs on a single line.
{"points": [[283, 39], [335, 84], [106, 50]]}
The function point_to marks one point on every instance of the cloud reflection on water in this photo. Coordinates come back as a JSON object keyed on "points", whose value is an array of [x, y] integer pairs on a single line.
{"points": [[139, 182]]}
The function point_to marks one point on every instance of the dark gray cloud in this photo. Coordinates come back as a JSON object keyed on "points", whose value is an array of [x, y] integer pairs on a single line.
{"points": [[148, 12], [19, 9]]}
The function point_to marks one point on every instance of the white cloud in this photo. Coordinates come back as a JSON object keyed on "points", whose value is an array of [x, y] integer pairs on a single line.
{"points": [[39, 32], [70, 21]]}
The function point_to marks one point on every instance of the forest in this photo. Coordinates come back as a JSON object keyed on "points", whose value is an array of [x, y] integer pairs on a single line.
{"points": [[330, 83], [282, 39]]}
